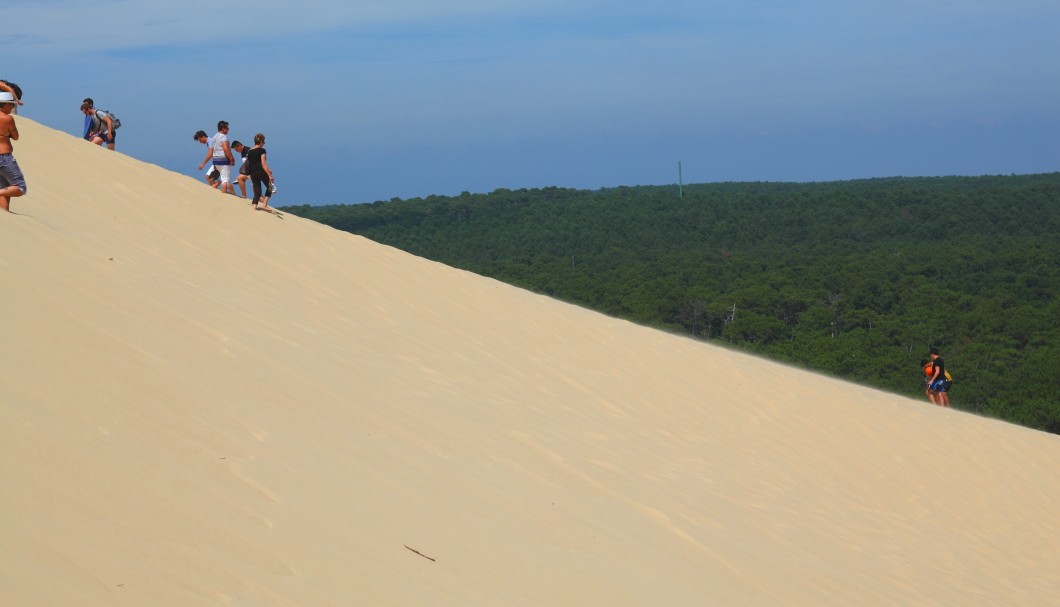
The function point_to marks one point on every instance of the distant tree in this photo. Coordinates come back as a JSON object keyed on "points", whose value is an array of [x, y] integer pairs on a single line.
{"points": [[845, 278]]}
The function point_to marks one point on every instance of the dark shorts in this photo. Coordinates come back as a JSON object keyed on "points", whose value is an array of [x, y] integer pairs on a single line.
{"points": [[10, 174], [939, 385]]}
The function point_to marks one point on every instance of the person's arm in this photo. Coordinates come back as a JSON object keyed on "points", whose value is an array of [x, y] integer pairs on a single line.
{"points": [[4, 86], [110, 127], [228, 153], [209, 155], [265, 167]]}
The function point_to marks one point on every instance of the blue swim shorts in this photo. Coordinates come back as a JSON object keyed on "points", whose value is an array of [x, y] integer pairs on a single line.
{"points": [[10, 174], [939, 385]]}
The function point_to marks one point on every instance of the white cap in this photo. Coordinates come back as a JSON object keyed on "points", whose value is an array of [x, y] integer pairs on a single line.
{"points": [[6, 97]]}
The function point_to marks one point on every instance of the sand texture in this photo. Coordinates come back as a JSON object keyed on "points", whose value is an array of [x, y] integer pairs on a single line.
{"points": [[201, 404]]}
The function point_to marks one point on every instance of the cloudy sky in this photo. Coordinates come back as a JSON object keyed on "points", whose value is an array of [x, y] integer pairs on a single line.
{"points": [[374, 99]]}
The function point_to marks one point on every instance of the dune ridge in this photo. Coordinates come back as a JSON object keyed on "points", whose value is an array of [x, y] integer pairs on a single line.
{"points": [[201, 404]]}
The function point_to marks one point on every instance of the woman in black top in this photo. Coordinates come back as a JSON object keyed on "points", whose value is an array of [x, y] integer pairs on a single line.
{"points": [[260, 173]]}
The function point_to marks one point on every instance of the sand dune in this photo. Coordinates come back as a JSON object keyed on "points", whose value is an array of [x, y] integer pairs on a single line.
{"points": [[205, 405]]}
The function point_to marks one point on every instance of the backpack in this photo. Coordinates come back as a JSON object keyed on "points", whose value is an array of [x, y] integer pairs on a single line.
{"points": [[113, 119]]}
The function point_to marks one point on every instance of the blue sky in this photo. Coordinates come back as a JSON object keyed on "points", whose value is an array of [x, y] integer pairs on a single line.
{"points": [[377, 99]]}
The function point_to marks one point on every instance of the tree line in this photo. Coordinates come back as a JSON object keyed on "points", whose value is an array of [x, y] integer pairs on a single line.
{"points": [[856, 279]]}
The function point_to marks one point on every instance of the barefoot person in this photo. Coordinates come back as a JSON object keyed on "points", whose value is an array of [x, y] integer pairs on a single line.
{"points": [[260, 173], [213, 176], [88, 118], [222, 157], [12, 183], [244, 168], [929, 370], [102, 127], [938, 384]]}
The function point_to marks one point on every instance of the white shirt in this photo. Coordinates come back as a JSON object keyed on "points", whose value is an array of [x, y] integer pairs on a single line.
{"points": [[218, 145]]}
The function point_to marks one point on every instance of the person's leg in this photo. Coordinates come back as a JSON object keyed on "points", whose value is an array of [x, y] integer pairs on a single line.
{"points": [[12, 183], [267, 195], [7, 194], [939, 390], [256, 183], [226, 178], [5, 200], [242, 182]]}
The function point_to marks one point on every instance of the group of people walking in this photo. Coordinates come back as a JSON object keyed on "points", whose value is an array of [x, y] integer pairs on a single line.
{"points": [[100, 125], [254, 166], [936, 379]]}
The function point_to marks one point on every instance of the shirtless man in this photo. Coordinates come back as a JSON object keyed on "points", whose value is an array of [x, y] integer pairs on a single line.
{"points": [[12, 183]]}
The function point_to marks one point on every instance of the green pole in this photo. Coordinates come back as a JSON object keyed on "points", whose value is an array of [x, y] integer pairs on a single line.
{"points": [[680, 181]]}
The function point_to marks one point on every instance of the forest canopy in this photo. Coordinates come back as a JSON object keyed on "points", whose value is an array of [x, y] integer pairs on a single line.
{"points": [[856, 279]]}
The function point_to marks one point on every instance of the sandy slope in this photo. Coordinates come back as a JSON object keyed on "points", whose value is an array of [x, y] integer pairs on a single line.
{"points": [[205, 405]]}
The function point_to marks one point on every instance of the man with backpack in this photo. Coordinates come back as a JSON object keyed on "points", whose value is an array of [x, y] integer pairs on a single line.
{"points": [[102, 127]]}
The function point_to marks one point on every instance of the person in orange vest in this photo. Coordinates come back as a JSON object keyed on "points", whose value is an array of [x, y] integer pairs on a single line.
{"points": [[929, 370]]}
